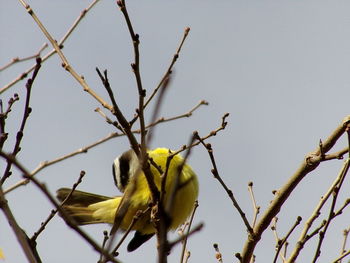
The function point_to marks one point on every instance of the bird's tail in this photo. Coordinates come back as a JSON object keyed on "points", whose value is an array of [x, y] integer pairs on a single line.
{"points": [[87, 208]]}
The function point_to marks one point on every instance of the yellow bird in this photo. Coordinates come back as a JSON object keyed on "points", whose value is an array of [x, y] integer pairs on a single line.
{"points": [[88, 208]]}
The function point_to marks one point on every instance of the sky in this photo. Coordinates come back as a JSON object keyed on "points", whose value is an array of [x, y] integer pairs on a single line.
{"points": [[280, 68]]}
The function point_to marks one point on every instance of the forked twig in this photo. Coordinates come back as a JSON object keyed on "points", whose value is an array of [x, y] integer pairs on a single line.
{"points": [[304, 237], [310, 163], [65, 64], [53, 51], [256, 208], [54, 211], [69, 221], [281, 242]]}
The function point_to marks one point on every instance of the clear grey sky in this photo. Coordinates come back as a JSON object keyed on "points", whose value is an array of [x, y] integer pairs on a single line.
{"points": [[280, 68]]}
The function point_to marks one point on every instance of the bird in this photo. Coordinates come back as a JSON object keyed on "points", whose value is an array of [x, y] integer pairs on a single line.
{"points": [[181, 187]]}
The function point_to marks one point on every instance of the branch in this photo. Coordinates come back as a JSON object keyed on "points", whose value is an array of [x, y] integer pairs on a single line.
{"points": [[45, 164], [282, 241], [185, 115], [346, 234], [3, 116], [304, 237], [54, 211], [167, 73], [69, 221], [65, 63], [17, 59], [345, 254], [138, 215], [136, 69], [19, 233], [184, 242], [27, 111], [256, 208], [229, 192], [310, 163], [190, 233], [53, 51], [126, 127], [169, 70]]}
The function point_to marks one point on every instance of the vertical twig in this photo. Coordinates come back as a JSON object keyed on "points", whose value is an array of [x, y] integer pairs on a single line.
{"points": [[27, 111]]}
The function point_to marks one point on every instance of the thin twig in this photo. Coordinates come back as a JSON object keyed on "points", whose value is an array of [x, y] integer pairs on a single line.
{"points": [[125, 125], [184, 242], [104, 242], [45, 164], [185, 115], [27, 111], [343, 248], [229, 192], [19, 233], [342, 256], [65, 64], [167, 73], [69, 221], [303, 237], [192, 231], [138, 215], [256, 208], [3, 116], [310, 163], [54, 211], [281, 242], [53, 51], [337, 155], [136, 69], [17, 59], [331, 214]]}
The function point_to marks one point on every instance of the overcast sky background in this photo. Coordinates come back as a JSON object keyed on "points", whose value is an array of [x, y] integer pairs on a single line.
{"points": [[280, 68]]}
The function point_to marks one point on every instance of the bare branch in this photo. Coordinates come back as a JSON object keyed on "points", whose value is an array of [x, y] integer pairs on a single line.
{"points": [[139, 214], [304, 237], [229, 192], [342, 256], [184, 242], [17, 59], [54, 211], [45, 164], [3, 116], [169, 70], [256, 208], [53, 51], [65, 63], [69, 221], [192, 231], [310, 163], [19, 233], [281, 242], [27, 111]]}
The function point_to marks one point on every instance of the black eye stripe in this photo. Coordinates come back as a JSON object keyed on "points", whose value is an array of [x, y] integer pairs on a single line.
{"points": [[124, 167], [114, 175]]}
